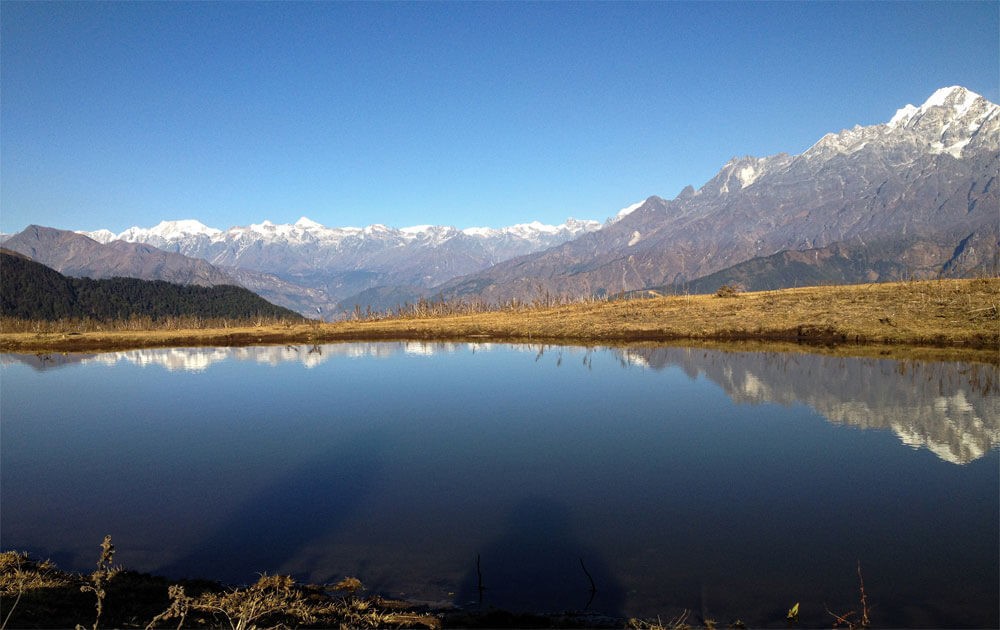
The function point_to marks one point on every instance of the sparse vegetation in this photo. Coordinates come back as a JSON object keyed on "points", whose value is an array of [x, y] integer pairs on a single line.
{"points": [[729, 290], [959, 316], [855, 619], [37, 594], [99, 579], [20, 575]]}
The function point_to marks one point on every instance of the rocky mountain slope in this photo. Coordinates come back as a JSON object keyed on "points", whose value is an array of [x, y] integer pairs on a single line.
{"points": [[77, 255], [914, 197]]}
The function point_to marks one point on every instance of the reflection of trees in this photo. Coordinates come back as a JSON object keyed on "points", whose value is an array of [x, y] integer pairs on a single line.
{"points": [[949, 408]]}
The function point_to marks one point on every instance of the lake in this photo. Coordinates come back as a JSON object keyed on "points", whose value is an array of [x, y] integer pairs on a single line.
{"points": [[731, 484]]}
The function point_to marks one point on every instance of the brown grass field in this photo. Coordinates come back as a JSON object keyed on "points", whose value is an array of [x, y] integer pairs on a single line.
{"points": [[936, 318]]}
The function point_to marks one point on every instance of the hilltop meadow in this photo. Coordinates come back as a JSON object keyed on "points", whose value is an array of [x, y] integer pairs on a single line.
{"points": [[930, 319]]}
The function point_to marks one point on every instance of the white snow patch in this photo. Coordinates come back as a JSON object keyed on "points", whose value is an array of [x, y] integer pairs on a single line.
{"points": [[754, 387], [636, 237], [184, 227], [307, 223], [376, 228], [416, 229], [939, 97], [903, 116], [630, 209], [635, 358], [748, 174], [101, 236], [480, 231], [534, 226], [955, 149]]}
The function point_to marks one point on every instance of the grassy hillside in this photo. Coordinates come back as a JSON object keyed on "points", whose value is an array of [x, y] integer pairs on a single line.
{"points": [[950, 315], [32, 291]]}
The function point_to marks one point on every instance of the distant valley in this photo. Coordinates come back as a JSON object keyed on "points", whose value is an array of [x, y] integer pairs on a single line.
{"points": [[916, 197]]}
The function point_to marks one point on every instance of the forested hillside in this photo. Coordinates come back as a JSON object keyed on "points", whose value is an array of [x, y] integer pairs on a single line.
{"points": [[30, 290]]}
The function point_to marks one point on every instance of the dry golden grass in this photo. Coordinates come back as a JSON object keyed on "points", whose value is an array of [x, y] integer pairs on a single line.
{"points": [[948, 314], [38, 594]]}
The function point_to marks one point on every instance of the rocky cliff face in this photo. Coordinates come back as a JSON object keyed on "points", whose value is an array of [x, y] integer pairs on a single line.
{"points": [[919, 191]]}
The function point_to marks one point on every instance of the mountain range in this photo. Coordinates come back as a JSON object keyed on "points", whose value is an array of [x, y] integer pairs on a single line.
{"points": [[341, 262], [916, 196]]}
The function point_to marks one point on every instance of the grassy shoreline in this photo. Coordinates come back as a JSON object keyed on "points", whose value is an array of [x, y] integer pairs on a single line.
{"points": [[36, 593], [924, 318]]}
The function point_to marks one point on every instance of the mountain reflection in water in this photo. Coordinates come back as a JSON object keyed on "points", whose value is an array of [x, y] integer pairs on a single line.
{"points": [[730, 484], [951, 409]]}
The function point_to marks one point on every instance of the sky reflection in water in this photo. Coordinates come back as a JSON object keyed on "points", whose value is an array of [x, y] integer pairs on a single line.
{"points": [[731, 484]]}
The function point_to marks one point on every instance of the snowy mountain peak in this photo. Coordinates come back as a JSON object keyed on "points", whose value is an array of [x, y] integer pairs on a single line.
{"points": [[377, 229], [956, 98], [163, 232], [101, 236], [533, 227], [951, 121], [537, 230], [903, 115], [306, 223], [581, 225], [627, 210], [417, 229], [184, 227], [480, 231]]}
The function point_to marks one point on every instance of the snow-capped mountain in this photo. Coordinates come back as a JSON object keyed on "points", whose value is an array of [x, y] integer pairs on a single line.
{"points": [[952, 119], [346, 260], [190, 234], [627, 210], [917, 196]]}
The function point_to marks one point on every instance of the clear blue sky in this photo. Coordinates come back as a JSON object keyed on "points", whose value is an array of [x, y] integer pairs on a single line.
{"points": [[465, 114]]}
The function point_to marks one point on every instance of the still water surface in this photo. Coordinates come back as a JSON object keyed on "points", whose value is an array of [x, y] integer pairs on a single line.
{"points": [[730, 484]]}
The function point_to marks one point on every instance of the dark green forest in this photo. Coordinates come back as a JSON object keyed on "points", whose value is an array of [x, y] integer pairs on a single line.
{"points": [[30, 290]]}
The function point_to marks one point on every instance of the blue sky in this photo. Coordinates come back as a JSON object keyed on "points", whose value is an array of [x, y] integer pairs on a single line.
{"points": [[464, 114]]}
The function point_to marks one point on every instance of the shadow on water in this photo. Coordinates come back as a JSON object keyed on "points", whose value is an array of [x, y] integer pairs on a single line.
{"points": [[312, 501], [538, 565]]}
